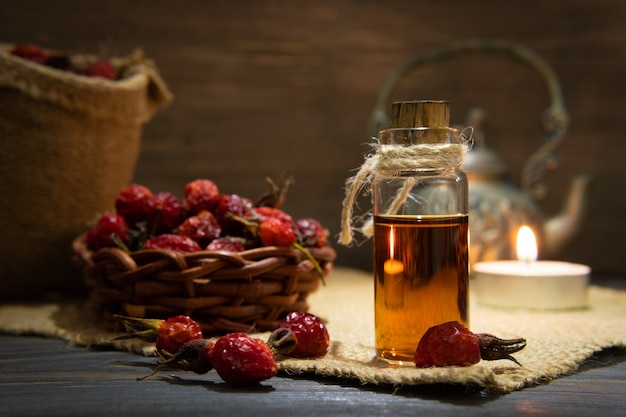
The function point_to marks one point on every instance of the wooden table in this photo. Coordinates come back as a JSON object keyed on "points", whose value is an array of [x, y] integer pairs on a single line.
{"points": [[48, 377]]}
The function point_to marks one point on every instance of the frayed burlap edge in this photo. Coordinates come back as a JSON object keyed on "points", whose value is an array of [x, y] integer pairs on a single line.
{"points": [[558, 342]]}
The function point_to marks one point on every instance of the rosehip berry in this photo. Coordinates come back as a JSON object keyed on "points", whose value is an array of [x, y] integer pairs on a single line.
{"points": [[164, 212], [311, 334], [131, 202], [452, 344], [227, 244], [174, 332], [310, 232], [101, 235], [102, 68], [275, 232], [31, 52], [172, 242], [242, 360], [200, 195], [193, 356], [264, 213], [230, 205], [203, 228]]}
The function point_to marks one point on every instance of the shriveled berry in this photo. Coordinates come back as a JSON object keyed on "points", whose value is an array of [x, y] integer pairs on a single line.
{"points": [[311, 334], [275, 232], [242, 360], [164, 212], [172, 242], [102, 68], [203, 228], [200, 194], [102, 234], [174, 332], [452, 344], [131, 201], [31, 52], [265, 212], [229, 207], [310, 232], [193, 356], [448, 344], [226, 244]]}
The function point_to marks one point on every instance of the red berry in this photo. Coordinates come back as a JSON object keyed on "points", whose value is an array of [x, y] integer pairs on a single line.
{"points": [[230, 205], [102, 68], [174, 332], [193, 356], [31, 52], [311, 233], [275, 232], [203, 228], [131, 202], [452, 344], [200, 195], [448, 344], [164, 212], [242, 360], [172, 242], [311, 334], [265, 212], [100, 235], [227, 244]]}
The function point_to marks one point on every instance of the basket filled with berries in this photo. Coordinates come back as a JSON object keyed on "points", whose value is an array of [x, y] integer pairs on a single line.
{"points": [[232, 264], [70, 133]]}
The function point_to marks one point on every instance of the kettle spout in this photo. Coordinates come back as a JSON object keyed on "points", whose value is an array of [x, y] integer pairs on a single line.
{"points": [[559, 230]]}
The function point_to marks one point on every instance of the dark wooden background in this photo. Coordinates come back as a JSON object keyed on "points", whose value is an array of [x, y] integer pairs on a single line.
{"points": [[265, 87]]}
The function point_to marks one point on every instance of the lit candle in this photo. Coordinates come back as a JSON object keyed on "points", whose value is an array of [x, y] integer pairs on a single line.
{"points": [[531, 284]]}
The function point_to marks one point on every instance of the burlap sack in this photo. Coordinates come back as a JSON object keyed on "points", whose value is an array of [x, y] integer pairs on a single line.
{"points": [[68, 143]]}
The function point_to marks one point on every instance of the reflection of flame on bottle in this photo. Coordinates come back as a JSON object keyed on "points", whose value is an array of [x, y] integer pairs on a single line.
{"points": [[394, 277]]}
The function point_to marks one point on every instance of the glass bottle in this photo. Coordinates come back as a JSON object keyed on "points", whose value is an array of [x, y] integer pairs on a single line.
{"points": [[420, 207]]}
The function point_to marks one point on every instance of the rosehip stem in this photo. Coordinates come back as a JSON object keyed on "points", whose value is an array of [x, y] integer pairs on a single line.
{"points": [[310, 257], [493, 348]]}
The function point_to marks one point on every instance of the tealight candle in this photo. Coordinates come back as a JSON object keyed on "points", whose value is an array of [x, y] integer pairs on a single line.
{"points": [[530, 284]]}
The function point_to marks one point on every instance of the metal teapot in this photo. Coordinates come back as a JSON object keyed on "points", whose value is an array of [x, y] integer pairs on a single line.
{"points": [[498, 208]]}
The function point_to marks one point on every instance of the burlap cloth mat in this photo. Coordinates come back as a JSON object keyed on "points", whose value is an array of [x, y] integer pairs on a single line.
{"points": [[558, 342]]}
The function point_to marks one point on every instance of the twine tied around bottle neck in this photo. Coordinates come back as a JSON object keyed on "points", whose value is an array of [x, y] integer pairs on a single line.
{"points": [[397, 158]]}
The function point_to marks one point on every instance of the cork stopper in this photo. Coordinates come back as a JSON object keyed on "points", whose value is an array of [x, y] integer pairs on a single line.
{"points": [[421, 113]]}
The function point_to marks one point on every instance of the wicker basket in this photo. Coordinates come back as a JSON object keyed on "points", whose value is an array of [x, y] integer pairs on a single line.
{"points": [[223, 291]]}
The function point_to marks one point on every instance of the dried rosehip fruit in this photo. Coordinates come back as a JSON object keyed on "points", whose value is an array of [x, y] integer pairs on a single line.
{"points": [[102, 68], [275, 232], [193, 356], [102, 234], [31, 52], [131, 201], [310, 232], [169, 335], [242, 360], [227, 244], [174, 332], [203, 228], [172, 242], [200, 195], [230, 207], [452, 344], [265, 212], [311, 334], [164, 212]]}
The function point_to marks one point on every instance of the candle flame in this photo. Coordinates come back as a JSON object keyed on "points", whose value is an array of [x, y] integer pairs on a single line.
{"points": [[392, 242], [526, 245]]}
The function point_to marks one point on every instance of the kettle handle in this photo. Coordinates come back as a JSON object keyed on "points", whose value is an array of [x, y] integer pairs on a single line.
{"points": [[555, 118]]}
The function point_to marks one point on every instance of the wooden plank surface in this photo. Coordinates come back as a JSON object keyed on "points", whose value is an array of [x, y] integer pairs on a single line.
{"points": [[48, 377]]}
